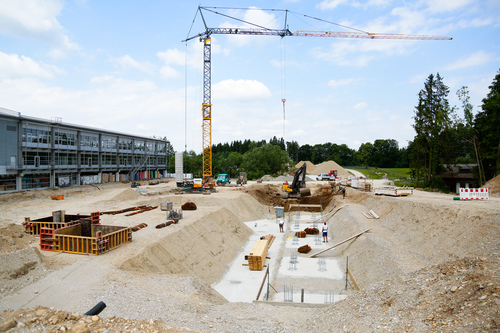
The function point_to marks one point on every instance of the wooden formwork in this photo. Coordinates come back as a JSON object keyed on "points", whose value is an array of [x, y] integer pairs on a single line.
{"points": [[58, 220], [80, 239]]}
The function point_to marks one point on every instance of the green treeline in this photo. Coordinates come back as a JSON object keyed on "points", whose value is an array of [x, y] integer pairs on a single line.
{"points": [[445, 135], [275, 157]]}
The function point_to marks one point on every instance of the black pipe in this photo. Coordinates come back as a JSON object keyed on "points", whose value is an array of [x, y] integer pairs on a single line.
{"points": [[96, 309]]}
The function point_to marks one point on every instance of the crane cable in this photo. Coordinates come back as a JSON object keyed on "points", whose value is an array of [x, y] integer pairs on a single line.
{"points": [[283, 80]]}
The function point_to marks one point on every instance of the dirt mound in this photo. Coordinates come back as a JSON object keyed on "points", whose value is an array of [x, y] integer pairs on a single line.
{"points": [[326, 166], [126, 194], [12, 238], [310, 168], [455, 296], [202, 248], [493, 186]]}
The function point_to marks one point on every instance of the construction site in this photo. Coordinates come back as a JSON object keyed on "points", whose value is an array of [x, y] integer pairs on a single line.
{"points": [[160, 261]]}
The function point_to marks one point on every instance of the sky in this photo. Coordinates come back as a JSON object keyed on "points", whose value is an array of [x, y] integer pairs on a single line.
{"points": [[122, 65]]}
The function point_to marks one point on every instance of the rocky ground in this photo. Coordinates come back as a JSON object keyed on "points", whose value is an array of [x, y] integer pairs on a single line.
{"points": [[428, 264]]}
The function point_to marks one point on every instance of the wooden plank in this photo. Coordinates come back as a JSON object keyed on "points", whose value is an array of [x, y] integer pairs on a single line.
{"points": [[356, 286], [306, 206], [262, 285], [374, 215], [346, 240]]}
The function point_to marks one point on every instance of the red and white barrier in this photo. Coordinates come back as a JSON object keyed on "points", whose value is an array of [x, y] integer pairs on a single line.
{"points": [[474, 193]]}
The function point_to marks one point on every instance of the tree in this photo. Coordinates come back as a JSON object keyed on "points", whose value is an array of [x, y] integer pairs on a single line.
{"points": [[364, 154], [292, 148], [268, 159], [385, 153], [432, 119], [487, 125], [305, 152], [467, 135]]}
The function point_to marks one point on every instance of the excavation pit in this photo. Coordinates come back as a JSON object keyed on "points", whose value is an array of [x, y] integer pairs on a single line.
{"points": [[239, 284], [59, 219], [85, 238]]}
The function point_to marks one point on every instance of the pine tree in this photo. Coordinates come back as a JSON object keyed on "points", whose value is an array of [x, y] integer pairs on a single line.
{"points": [[432, 119]]}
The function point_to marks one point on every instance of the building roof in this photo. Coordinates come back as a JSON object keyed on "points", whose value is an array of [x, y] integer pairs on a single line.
{"points": [[58, 121]]}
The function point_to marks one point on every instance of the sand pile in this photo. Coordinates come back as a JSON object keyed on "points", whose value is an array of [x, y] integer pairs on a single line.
{"points": [[493, 186], [324, 167], [309, 168], [127, 194]]}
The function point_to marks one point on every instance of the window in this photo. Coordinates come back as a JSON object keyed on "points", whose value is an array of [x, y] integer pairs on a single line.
{"points": [[125, 144], [108, 142], [139, 145], [64, 138]]}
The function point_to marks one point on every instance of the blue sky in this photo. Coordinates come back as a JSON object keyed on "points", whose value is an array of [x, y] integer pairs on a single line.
{"points": [[122, 66]]}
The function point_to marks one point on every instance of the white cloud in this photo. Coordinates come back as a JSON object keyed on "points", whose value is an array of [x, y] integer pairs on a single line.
{"points": [[35, 19], [127, 106], [168, 72], [330, 4], [15, 66], [441, 6], [127, 61], [342, 82], [173, 56], [243, 90], [256, 16], [361, 105], [475, 59]]}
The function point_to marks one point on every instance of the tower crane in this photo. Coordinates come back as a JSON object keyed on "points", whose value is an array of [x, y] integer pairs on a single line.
{"points": [[257, 30]]}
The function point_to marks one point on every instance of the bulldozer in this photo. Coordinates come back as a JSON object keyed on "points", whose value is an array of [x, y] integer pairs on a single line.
{"points": [[297, 189]]}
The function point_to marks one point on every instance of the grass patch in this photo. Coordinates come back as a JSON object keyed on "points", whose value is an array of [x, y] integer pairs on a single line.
{"points": [[397, 174]]}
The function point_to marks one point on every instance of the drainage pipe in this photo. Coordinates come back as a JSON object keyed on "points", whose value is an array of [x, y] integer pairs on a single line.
{"points": [[96, 309]]}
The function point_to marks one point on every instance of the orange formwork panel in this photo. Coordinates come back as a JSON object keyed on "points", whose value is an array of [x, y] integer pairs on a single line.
{"points": [[59, 219], [47, 239], [103, 238]]}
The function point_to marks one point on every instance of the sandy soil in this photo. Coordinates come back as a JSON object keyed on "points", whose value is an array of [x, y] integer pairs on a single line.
{"points": [[429, 263]]}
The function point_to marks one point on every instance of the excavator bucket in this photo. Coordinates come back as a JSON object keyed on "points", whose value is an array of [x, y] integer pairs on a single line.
{"points": [[305, 192]]}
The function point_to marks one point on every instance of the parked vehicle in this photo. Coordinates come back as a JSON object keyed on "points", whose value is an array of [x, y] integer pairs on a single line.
{"points": [[323, 176], [242, 179], [223, 179]]}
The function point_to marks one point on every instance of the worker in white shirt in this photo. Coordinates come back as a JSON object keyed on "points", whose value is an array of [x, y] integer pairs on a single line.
{"points": [[325, 233]]}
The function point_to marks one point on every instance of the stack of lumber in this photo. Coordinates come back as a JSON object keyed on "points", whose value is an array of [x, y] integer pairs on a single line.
{"points": [[257, 256], [366, 187], [270, 239]]}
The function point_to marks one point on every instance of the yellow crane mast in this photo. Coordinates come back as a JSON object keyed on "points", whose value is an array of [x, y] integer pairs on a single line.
{"points": [[262, 31]]}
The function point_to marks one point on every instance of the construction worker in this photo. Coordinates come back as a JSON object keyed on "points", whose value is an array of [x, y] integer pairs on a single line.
{"points": [[282, 222], [325, 233]]}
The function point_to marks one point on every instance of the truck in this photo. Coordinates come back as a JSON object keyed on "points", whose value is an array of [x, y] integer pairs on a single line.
{"points": [[331, 176], [223, 179]]}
